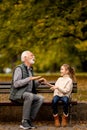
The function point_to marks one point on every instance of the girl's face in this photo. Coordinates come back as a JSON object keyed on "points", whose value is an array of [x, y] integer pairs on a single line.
{"points": [[63, 71]]}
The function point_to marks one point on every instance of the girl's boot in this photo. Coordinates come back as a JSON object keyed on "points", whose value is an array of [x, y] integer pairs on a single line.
{"points": [[64, 120], [56, 120]]}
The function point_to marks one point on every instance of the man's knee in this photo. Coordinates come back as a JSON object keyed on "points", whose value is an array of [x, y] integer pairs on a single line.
{"points": [[28, 96], [41, 98]]}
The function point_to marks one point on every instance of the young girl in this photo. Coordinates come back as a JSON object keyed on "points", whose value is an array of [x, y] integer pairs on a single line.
{"points": [[62, 91]]}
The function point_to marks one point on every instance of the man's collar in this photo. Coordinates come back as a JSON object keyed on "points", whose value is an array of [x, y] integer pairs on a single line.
{"points": [[29, 68]]}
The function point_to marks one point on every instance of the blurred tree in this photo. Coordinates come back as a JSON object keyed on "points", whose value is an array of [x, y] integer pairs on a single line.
{"points": [[82, 47], [54, 30]]}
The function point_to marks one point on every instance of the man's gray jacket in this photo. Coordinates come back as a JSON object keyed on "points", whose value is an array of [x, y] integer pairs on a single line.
{"points": [[17, 93]]}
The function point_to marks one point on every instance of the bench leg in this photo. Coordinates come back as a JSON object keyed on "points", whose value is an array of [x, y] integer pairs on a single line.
{"points": [[70, 114]]}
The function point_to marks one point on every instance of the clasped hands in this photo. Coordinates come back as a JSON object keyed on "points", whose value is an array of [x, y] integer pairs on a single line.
{"points": [[39, 78], [44, 81]]}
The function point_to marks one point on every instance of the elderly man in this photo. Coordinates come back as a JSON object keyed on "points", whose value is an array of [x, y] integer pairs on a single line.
{"points": [[23, 89]]}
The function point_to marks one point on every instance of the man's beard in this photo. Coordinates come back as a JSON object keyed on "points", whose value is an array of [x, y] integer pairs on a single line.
{"points": [[31, 61]]}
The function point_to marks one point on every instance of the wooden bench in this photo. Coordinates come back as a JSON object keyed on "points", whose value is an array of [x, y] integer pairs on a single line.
{"points": [[5, 89]]}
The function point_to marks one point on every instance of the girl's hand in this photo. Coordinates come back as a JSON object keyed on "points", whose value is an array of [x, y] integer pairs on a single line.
{"points": [[42, 80], [53, 88]]}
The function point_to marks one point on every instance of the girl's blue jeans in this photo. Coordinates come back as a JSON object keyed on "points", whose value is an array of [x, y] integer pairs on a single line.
{"points": [[65, 101]]}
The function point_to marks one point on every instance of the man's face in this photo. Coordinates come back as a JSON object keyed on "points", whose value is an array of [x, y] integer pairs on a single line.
{"points": [[31, 58]]}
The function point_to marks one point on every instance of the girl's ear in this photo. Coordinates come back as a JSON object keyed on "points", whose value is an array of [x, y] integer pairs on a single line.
{"points": [[67, 71]]}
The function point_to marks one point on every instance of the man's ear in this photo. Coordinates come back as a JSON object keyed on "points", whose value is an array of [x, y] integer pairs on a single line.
{"points": [[25, 57]]}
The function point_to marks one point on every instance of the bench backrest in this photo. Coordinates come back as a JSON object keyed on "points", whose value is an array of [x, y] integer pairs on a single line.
{"points": [[5, 88]]}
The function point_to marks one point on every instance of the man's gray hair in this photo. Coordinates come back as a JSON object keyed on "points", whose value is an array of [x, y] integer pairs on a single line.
{"points": [[24, 53]]}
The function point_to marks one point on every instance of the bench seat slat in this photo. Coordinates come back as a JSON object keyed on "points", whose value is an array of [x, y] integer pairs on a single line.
{"points": [[45, 103]]}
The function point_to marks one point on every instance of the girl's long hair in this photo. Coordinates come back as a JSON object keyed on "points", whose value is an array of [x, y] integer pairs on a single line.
{"points": [[71, 71]]}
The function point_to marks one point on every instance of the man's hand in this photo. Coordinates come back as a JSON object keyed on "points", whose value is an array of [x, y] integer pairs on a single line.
{"points": [[34, 77]]}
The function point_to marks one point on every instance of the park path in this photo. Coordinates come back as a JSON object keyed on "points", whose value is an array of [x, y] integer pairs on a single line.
{"points": [[42, 126]]}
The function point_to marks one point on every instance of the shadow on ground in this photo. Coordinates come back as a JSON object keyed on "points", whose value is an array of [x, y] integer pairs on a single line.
{"points": [[43, 126]]}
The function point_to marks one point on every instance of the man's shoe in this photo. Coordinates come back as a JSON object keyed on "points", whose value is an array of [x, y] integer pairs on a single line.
{"points": [[31, 124], [25, 125]]}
